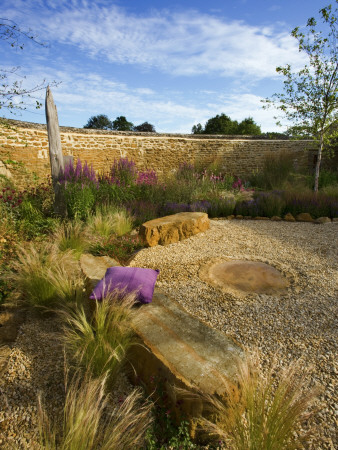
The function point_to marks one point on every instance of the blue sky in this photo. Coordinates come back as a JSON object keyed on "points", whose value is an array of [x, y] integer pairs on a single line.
{"points": [[173, 64]]}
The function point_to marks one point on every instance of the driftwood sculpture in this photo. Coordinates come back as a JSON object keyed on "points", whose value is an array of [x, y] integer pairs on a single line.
{"points": [[55, 152]]}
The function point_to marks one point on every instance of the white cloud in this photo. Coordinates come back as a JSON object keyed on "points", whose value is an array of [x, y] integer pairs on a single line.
{"points": [[186, 43]]}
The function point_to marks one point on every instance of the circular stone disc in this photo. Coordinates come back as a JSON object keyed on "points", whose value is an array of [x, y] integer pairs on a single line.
{"points": [[244, 277]]}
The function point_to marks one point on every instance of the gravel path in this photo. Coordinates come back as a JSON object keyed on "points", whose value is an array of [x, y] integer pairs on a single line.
{"points": [[299, 323]]}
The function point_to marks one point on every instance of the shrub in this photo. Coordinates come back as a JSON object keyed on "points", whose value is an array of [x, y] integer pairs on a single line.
{"points": [[31, 222], [276, 171], [318, 205], [120, 248], [80, 200], [143, 210], [327, 178], [269, 204], [247, 208], [45, 278], [269, 410], [174, 208], [221, 207], [100, 344], [123, 172], [89, 421], [110, 194]]}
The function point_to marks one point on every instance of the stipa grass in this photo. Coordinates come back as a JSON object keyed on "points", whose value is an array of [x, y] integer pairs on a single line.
{"points": [[110, 220], [90, 422], [267, 412], [101, 342], [70, 236], [44, 277]]}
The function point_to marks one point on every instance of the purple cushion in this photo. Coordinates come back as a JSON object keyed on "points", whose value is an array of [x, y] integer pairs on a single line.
{"points": [[129, 279]]}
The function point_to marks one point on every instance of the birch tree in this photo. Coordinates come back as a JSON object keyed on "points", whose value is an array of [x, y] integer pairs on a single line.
{"points": [[310, 96]]}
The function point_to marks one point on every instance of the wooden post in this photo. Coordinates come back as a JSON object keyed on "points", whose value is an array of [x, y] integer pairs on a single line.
{"points": [[55, 152]]}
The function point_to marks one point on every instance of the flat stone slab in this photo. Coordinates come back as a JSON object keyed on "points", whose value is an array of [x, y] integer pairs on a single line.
{"points": [[182, 351], [243, 277], [170, 229], [94, 267]]}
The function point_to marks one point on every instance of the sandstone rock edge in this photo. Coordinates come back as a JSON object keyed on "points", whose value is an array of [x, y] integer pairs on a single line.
{"points": [[171, 229]]}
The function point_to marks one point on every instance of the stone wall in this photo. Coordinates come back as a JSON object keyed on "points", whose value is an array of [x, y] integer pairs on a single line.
{"points": [[24, 149]]}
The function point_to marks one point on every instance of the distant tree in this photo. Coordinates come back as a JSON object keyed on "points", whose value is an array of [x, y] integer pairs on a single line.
{"points": [[122, 124], [11, 33], [222, 124], [99, 122], [248, 127], [197, 129], [310, 97], [145, 127]]}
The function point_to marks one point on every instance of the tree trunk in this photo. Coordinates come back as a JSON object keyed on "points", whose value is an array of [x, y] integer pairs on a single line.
{"points": [[319, 158], [55, 152]]}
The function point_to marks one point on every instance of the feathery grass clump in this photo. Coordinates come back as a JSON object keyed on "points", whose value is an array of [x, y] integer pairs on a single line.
{"points": [[110, 220], [70, 236], [90, 422], [269, 411], [44, 277], [101, 342]]}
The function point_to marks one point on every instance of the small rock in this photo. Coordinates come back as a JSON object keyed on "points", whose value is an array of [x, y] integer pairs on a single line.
{"points": [[304, 217], [323, 220], [247, 217], [335, 219], [289, 217], [239, 217], [231, 217], [276, 218], [261, 218]]}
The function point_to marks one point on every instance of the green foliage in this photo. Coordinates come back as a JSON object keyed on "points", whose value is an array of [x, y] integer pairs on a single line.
{"points": [[327, 178], [114, 194], [99, 122], [310, 95], [221, 207], [120, 248], [222, 124], [122, 124], [165, 433], [100, 343], [276, 171], [80, 200], [70, 236], [45, 278], [145, 127]]}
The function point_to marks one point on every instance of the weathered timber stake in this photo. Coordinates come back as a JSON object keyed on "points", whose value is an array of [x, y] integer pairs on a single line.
{"points": [[55, 152]]}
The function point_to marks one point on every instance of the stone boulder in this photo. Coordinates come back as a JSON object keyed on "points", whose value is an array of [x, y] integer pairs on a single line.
{"points": [[323, 220], [304, 217], [170, 229], [289, 217]]}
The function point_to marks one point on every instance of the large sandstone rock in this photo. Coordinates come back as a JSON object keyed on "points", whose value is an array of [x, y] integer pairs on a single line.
{"points": [[179, 350], [170, 229]]}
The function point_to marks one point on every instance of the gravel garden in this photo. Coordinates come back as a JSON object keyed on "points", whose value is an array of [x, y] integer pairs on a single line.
{"points": [[64, 368]]}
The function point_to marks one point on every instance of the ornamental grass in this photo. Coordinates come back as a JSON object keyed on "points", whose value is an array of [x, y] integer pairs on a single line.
{"points": [[101, 342], [270, 410], [90, 422], [44, 277]]}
